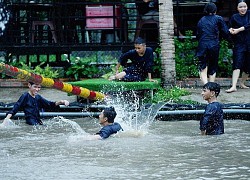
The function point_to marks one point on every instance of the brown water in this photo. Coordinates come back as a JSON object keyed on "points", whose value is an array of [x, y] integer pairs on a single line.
{"points": [[164, 150], [147, 149]]}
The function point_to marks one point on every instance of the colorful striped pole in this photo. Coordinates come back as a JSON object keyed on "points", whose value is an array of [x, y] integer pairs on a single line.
{"points": [[48, 82]]}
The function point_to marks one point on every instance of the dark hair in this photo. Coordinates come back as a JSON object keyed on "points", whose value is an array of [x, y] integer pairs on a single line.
{"points": [[139, 40], [31, 83], [110, 113], [212, 86], [210, 8], [239, 1]]}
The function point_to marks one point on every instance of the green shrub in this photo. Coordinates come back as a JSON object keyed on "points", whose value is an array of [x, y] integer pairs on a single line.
{"points": [[225, 60], [46, 71], [171, 96], [187, 63], [83, 68], [157, 64]]}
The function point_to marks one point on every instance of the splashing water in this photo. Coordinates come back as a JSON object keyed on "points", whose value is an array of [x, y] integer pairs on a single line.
{"points": [[7, 123], [4, 17], [73, 124], [133, 117]]}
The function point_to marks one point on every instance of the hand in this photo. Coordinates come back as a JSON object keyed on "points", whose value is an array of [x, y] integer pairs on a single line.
{"points": [[236, 31], [6, 118], [8, 122], [65, 102], [231, 30]]}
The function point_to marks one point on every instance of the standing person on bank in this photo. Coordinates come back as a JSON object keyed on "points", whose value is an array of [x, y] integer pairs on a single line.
{"points": [[208, 29], [212, 122], [142, 59], [148, 9], [240, 29], [31, 103]]}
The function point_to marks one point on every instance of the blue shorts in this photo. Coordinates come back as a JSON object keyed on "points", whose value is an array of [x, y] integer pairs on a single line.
{"points": [[132, 75], [208, 57], [241, 60]]}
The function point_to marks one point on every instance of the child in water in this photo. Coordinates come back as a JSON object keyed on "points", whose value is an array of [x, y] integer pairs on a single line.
{"points": [[31, 103], [106, 119], [212, 122]]}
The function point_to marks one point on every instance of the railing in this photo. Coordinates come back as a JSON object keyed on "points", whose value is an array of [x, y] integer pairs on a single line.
{"points": [[58, 27], [64, 24]]}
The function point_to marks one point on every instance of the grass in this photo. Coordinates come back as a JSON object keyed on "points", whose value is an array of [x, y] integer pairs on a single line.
{"points": [[105, 85], [171, 96], [160, 94]]}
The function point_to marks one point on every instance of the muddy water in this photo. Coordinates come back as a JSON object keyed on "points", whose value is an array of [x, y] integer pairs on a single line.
{"points": [[165, 150]]}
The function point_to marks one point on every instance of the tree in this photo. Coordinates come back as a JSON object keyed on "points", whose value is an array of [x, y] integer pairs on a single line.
{"points": [[167, 42]]}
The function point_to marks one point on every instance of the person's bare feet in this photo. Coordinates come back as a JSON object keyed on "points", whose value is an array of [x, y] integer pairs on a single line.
{"points": [[243, 86], [231, 90], [111, 78]]}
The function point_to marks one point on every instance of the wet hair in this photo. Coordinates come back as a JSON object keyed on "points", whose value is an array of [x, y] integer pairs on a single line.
{"points": [[110, 114], [139, 40], [32, 83], [212, 86], [210, 8], [239, 1]]}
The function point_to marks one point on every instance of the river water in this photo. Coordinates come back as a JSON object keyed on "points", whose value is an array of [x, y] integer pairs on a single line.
{"points": [[63, 149]]}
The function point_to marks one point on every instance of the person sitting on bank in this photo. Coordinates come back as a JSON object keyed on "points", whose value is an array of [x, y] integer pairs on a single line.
{"points": [[212, 122], [106, 119], [142, 61], [31, 103]]}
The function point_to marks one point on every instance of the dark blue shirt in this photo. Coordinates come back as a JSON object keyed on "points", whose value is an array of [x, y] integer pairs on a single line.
{"points": [[209, 28], [141, 65], [243, 37], [31, 107], [212, 120], [108, 130]]}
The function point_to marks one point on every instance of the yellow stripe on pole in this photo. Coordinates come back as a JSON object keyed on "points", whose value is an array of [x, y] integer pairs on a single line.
{"points": [[50, 83]]}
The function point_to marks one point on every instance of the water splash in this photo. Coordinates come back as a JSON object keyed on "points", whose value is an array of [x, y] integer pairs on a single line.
{"points": [[7, 123], [61, 120], [4, 17], [134, 117]]}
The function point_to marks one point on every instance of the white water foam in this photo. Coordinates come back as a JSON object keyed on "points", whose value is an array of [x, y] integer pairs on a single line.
{"points": [[7, 123]]}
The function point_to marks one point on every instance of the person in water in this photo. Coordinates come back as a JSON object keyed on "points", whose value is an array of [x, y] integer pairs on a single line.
{"points": [[106, 119], [212, 122], [31, 103]]}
